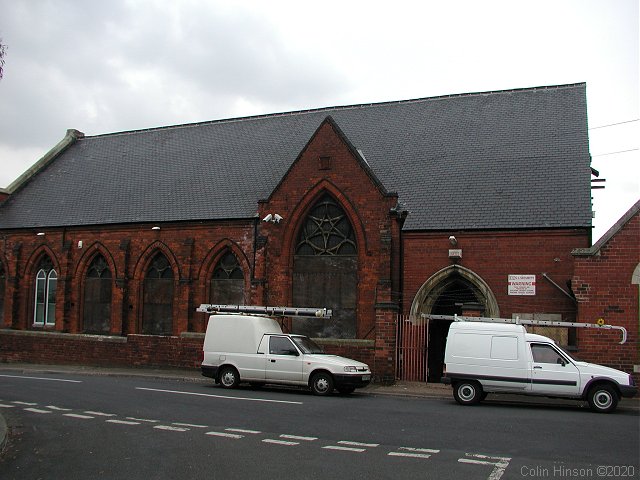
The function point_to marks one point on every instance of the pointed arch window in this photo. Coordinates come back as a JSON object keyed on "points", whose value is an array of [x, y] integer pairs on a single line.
{"points": [[44, 313], [97, 297], [157, 318], [227, 281], [325, 270]]}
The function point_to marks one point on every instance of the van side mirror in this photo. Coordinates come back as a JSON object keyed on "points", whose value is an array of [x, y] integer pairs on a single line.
{"points": [[561, 361]]}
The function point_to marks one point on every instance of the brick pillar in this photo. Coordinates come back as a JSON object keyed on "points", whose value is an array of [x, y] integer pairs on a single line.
{"points": [[384, 365]]}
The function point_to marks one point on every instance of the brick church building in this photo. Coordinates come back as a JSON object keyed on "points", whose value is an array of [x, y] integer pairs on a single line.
{"points": [[467, 203]]}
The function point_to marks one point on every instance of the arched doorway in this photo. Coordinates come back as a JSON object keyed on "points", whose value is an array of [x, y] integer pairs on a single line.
{"points": [[446, 293], [456, 293]]}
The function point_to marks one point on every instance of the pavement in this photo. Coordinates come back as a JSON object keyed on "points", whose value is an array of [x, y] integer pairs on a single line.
{"points": [[400, 388]]}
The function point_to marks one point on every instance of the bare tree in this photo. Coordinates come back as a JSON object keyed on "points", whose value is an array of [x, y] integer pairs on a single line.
{"points": [[3, 51]]}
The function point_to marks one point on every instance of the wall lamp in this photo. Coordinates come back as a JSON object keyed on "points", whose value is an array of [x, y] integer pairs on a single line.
{"points": [[155, 228], [40, 234]]}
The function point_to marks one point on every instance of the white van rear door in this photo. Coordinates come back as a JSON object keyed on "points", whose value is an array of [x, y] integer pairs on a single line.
{"points": [[552, 372]]}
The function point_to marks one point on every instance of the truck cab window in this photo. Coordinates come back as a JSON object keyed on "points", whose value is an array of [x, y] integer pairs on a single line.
{"points": [[546, 354], [281, 346]]}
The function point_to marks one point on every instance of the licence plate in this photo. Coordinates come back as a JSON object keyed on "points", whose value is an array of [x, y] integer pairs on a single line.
{"points": [[366, 378]]}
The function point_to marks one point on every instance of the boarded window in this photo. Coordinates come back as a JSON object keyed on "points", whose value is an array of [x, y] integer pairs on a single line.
{"points": [[227, 282], [97, 297], [157, 316], [325, 271]]}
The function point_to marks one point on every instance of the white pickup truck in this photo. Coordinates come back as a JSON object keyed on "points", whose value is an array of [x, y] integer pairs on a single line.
{"points": [[253, 349]]}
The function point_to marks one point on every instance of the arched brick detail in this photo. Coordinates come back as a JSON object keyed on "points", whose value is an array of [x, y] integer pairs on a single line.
{"points": [[429, 292], [211, 260], [307, 203]]}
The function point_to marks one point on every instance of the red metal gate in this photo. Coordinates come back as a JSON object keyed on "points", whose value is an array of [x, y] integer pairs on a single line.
{"points": [[411, 348]]}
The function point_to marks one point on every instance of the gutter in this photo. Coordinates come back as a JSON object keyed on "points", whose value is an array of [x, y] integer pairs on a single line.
{"points": [[69, 139]]}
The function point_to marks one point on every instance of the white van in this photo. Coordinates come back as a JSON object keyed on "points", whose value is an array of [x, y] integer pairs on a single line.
{"points": [[482, 358], [253, 349]]}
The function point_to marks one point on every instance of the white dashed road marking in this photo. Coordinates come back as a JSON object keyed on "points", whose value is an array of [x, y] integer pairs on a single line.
{"points": [[189, 425], [52, 407], [225, 435], [345, 449], [146, 420], [37, 410], [122, 422], [410, 452], [100, 414], [170, 428], [242, 430], [358, 444], [280, 442], [296, 437], [77, 415]]}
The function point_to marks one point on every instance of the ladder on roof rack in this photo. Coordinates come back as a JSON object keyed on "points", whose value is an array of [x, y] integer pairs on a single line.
{"points": [[519, 321], [269, 311]]}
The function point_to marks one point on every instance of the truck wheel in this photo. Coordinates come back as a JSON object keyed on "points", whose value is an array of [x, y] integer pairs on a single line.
{"points": [[229, 377], [322, 383], [602, 398], [467, 392]]}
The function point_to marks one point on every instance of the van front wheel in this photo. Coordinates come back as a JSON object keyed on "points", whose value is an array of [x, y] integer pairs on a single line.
{"points": [[322, 383], [602, 398], [467, 392]]}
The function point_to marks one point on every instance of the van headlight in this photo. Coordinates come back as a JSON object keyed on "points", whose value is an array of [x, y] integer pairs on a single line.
{"points": [[351, 369]]}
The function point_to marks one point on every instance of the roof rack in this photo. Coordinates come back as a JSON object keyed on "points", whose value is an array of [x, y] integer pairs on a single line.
{"points": [[269, 311], [519, 321]]}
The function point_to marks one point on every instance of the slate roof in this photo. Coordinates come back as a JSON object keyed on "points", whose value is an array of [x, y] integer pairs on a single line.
{"points": [[495, 160]]}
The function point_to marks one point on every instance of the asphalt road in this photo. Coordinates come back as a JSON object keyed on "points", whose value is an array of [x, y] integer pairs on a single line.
{"points": [[65, 426]]}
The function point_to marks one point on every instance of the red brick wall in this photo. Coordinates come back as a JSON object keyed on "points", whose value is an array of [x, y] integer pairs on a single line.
{"points": [[53, 348], [192, 250], [495, 255], [602, 283]]}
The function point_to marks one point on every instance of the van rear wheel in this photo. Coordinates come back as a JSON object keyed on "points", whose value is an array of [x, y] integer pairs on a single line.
{"points": [[229, 377], [467, 392]]}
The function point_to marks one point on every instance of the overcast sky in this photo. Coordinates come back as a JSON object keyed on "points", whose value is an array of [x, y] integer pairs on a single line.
{"points": [[107, 66]]}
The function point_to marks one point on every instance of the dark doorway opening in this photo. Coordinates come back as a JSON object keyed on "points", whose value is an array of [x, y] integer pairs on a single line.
{"points": [[452, 297]]}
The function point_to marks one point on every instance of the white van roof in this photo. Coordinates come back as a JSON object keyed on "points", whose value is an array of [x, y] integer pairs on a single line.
{"points": [[487, 327]]}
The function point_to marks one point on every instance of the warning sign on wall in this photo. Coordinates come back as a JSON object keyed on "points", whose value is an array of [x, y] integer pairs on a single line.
{"points": [[522, 284]]}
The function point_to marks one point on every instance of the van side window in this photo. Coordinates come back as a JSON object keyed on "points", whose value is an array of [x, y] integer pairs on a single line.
{"points": [[281, 346], [546, 354]]}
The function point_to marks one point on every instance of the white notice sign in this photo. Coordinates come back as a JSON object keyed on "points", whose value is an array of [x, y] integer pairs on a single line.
{"points": [[522, 284]]}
